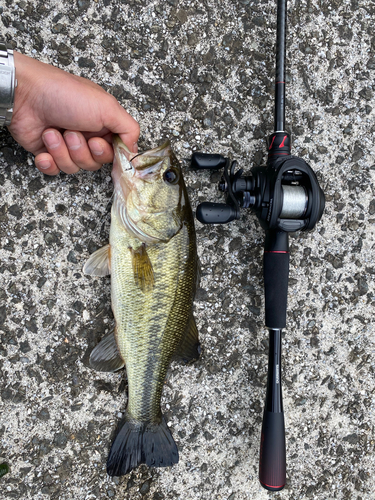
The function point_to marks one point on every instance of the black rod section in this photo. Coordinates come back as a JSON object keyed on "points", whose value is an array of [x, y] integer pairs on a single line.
{"points": [[272, 462], [276, 275], [280, 67], [274, 400]]}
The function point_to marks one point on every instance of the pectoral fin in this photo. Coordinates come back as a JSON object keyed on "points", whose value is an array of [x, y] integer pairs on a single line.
{"points": [[189, 350], [106, 356], [142, 269], [99, 263]]}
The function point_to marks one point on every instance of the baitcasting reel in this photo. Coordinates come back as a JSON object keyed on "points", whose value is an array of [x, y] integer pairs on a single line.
{"points": [[285, 195]]}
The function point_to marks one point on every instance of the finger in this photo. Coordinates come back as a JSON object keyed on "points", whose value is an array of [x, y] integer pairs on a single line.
{"points": [[46, 164], [120, 122], [57, 148], [101, 149], [133, 146], [81, 154]]}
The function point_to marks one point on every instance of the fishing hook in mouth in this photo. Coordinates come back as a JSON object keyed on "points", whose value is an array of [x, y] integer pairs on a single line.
{"points": [[130, 162], [135, 156]]}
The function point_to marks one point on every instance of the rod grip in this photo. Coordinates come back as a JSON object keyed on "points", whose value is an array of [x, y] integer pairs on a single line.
{"points": [[272, 462], [276, 275]]}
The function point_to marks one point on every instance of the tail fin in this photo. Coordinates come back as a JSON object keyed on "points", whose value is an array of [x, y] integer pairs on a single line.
{"points": [[141, 443]]}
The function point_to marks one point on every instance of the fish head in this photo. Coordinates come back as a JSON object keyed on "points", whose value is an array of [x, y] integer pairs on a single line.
{"points": [[151, 188]]}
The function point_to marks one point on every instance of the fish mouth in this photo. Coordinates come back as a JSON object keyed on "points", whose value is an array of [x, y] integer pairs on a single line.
{"points": [[134, 177], [140, 164]]}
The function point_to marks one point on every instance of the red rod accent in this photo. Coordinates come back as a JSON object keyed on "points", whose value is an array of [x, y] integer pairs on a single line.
{"points": [[282, 144], [273, 138], [273, 486], [275, 251]]}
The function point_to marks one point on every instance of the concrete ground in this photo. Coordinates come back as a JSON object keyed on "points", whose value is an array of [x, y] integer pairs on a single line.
{"points": [[200, 72]]}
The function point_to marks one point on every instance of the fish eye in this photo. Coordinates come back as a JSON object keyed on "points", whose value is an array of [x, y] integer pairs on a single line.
{"points": [[171, 176]]}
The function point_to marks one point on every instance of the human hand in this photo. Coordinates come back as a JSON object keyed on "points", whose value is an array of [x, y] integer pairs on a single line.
{"points": [[66, 121]]}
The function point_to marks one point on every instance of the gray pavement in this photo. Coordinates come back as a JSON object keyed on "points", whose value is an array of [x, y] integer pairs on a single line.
{"points": [[202, 74]]}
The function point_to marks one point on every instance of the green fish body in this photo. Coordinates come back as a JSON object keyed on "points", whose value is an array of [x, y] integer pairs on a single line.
{"points": [[153, 262]]}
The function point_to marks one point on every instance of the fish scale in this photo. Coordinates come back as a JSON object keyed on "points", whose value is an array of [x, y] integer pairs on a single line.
{"points": [[147, 341]]}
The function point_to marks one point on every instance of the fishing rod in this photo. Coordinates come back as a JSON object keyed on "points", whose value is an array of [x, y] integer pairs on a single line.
{"points": [[286, 197]]}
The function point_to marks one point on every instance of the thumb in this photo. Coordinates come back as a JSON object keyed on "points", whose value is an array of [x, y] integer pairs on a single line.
{"points": [[118, 121]]}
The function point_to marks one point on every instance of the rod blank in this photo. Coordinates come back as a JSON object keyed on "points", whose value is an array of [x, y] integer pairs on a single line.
{"points": [[280, 67]]}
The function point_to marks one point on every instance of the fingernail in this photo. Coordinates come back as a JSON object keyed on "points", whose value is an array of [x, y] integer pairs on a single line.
{"points": [[72, 140], [51, 140], [96, 148], [43, 164], [135, 148]]}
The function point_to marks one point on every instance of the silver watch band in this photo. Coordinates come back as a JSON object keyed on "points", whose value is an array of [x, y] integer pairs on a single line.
{"points": [[8, 84]]}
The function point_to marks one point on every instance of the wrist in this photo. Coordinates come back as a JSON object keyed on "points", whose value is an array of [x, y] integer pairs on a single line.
{"points": [[28, 88], [8, 84]]}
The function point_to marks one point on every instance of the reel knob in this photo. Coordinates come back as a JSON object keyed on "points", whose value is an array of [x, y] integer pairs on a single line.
{"points": [[216, 213], [201, 161]]}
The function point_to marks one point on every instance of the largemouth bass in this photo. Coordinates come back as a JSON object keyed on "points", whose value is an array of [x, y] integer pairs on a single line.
{"points": [[152, 259]]}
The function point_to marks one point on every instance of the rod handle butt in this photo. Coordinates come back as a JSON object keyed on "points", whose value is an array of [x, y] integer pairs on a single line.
{"points": [[272, 462]]}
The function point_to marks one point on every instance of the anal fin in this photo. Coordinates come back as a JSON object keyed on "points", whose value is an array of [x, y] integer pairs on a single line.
{"points": [[99, 263], [106, 356], [189, 349]]}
